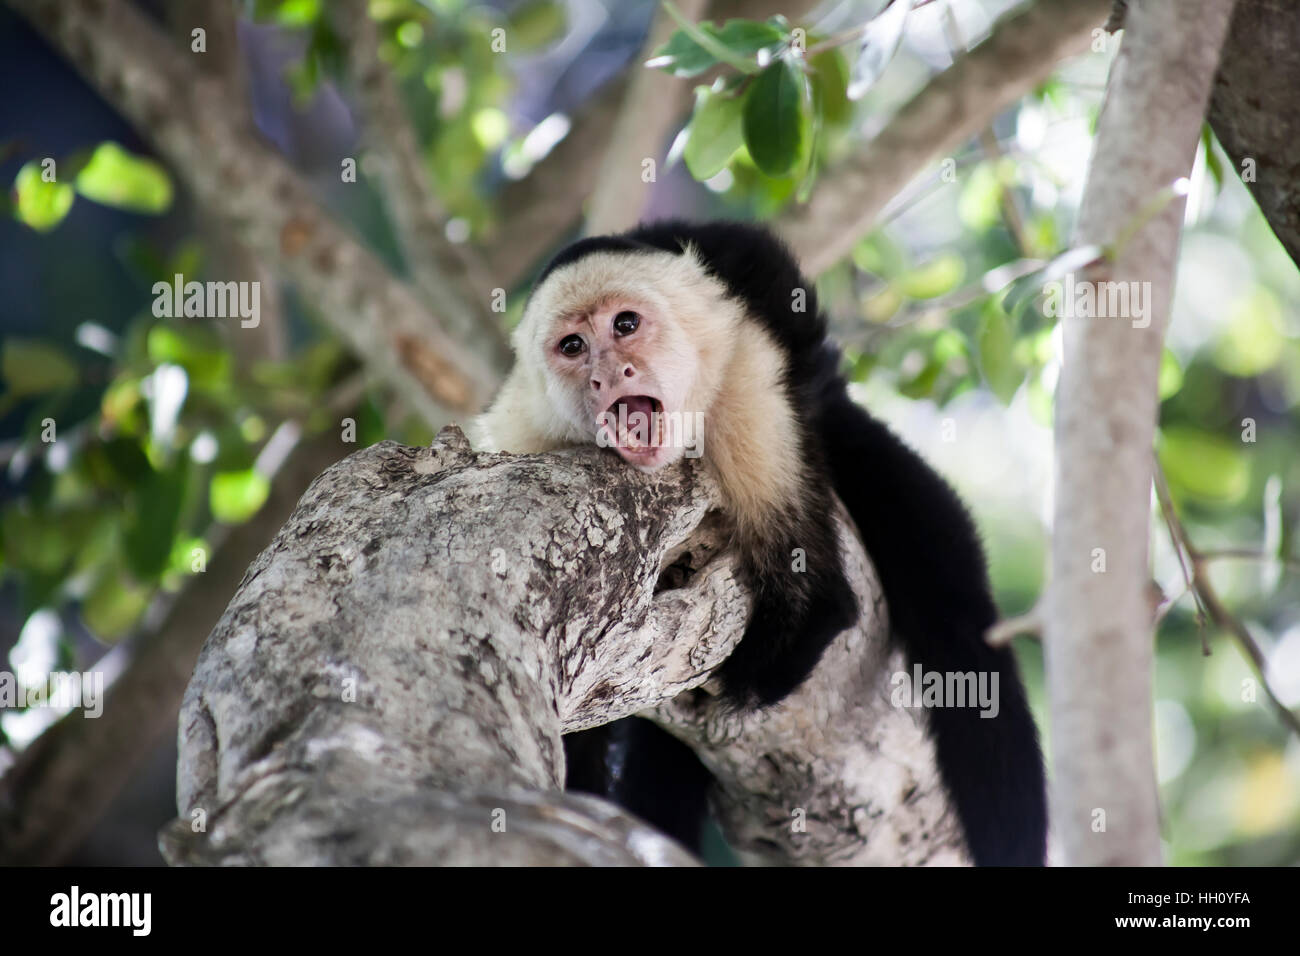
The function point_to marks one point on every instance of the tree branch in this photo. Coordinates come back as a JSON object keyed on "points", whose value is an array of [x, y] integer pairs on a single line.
{"points": [[1097, 643], [652, 106], [539, 210], [1207, 596], [65, 780], [344, 686], [1021, 52], [1253, 109], [447, 273], [191, 122]]}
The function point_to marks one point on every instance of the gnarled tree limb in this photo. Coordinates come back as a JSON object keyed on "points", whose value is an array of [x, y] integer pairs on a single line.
{"points": [[395, 672]]}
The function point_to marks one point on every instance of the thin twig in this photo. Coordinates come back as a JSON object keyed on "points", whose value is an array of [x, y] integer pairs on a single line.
{"points": [[1208, 597], [1030, 624], [1182, 549]]}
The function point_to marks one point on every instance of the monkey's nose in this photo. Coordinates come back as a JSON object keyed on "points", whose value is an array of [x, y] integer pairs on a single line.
{"points": [[595, 384], [628, 371]]}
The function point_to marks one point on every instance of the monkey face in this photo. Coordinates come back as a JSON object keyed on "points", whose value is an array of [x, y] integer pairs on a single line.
{"points": [[626, 350], [624, 370]]}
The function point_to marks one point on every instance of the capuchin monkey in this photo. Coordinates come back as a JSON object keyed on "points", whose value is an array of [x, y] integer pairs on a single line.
{"points": [[631, 341]]}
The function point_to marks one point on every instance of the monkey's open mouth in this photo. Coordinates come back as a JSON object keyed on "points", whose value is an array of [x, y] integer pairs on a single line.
{"points": [[634, 424]]}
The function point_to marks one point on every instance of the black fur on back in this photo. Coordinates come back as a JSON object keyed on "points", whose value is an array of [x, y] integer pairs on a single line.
{"points": [[921, 540]]}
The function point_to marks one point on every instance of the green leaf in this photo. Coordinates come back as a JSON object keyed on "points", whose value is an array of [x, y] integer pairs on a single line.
{"points": [[695, 48], [32, 542], [535, 24], [127, 459], [996, 347], [297, 13], [235, 496], [34, 368], [116, 178], [681, 56], [746, 37], [41, 205], [1252, 340], [113, 605], [775, 121], [879, 255], [197, 349], [1204, 465], [980, 204], [714, 134], [830, 79], [937, 277], [153, 524], [882, 305], [1212, 163], [1171, 375]]}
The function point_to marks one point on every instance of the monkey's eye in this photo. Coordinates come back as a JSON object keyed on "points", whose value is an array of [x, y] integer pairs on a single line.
{"points": [[625, 323], [571, 345]]}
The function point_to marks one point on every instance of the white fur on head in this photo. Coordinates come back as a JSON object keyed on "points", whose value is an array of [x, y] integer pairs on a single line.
{"points": [[676, 285], [695, 324], [708, 354]]}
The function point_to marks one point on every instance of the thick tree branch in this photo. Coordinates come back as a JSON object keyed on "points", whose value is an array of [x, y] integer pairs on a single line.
{"points": [[66, 778], [190, 120], [1097, 643], [446, 272], [429, 621], [838, 774], [227, 256], [1255, 110], [1021, 52], [652, 106]]}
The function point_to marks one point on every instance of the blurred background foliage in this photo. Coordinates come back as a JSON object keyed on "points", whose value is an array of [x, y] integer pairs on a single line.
{"points": [[130, 440]]}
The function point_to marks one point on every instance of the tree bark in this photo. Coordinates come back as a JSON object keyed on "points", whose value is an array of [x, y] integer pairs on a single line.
{"points": [[64, 781], [1255, 109], [392, 678], [1098, 640]]}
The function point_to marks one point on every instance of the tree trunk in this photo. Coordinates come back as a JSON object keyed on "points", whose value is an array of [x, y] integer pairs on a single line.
{"points": [[1098, 620]]}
